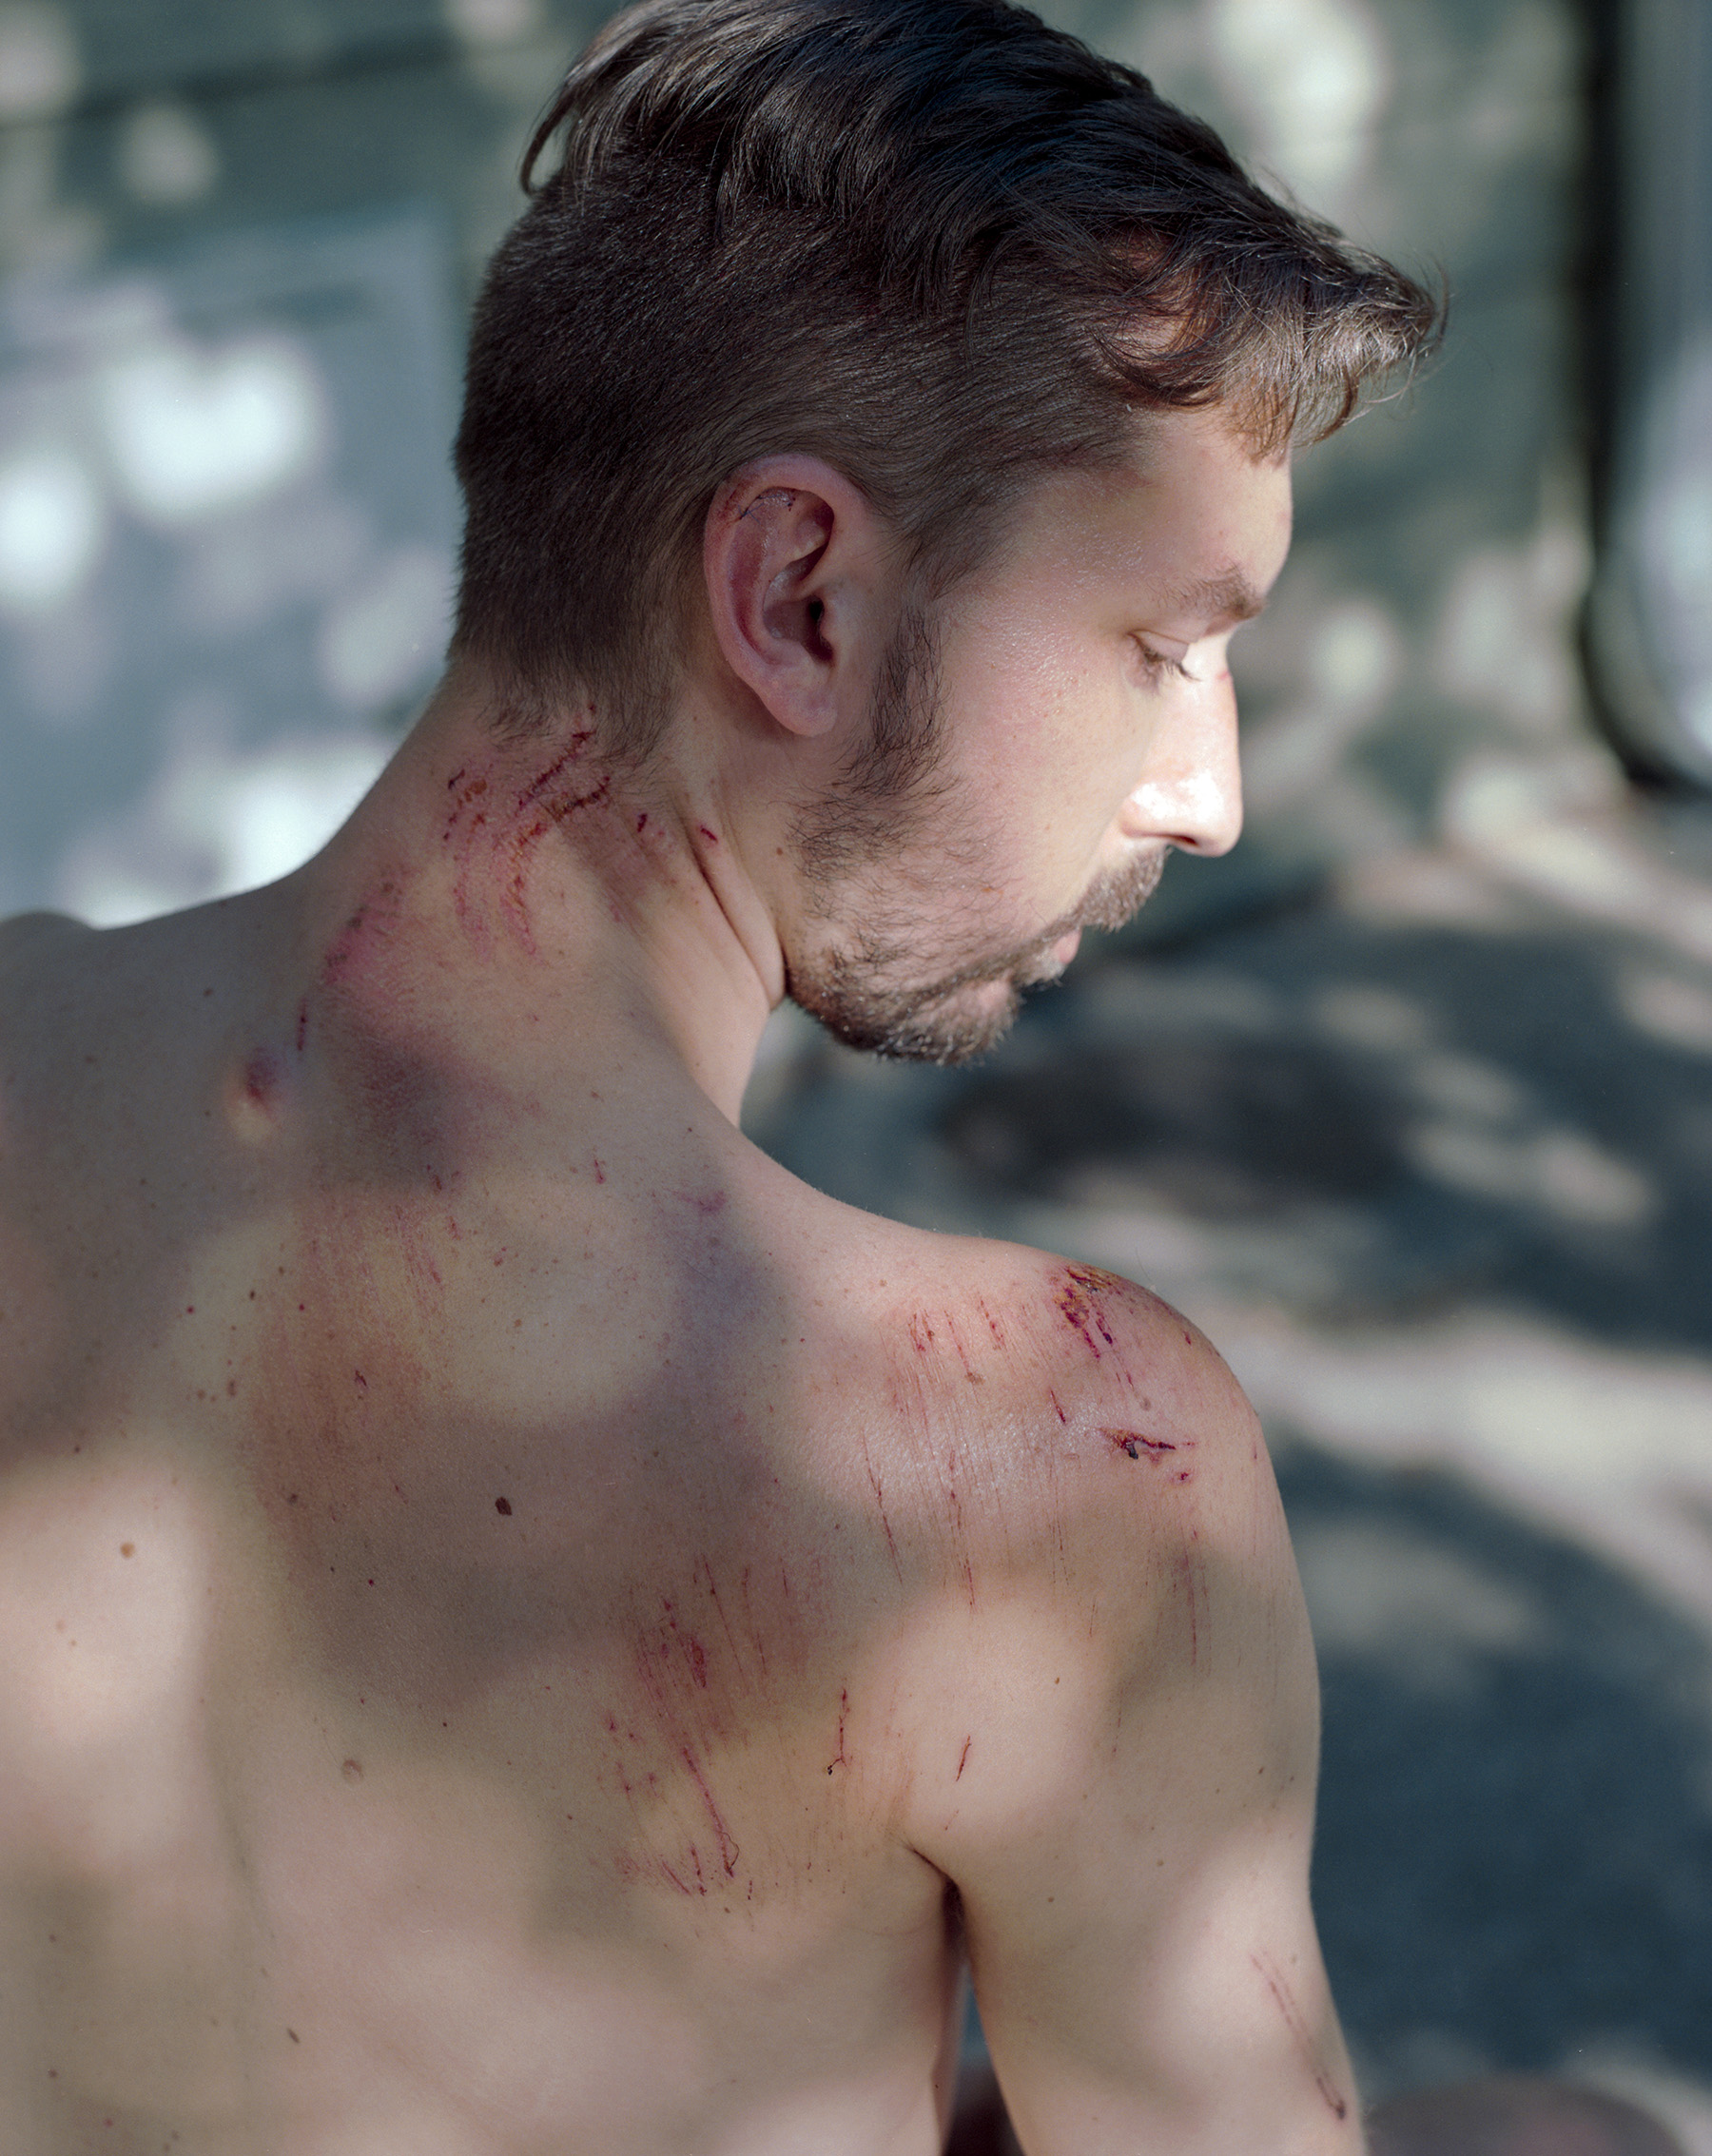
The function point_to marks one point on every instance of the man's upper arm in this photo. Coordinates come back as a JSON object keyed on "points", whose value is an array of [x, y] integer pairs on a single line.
{"points": [[1128, 1819]]}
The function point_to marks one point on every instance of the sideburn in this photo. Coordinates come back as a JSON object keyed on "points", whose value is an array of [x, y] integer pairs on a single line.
{"points": [[889, 782]]}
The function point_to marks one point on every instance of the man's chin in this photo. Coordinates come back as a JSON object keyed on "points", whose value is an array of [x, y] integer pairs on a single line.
{"points": [[959, 1027], [959, 1019], [1044, 966]]}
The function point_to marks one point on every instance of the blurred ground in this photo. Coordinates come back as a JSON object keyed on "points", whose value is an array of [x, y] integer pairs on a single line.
{"points": [[1431, 1158]]}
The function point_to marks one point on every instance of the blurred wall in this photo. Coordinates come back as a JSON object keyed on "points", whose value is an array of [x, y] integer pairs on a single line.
{"points": [[237, 238]]}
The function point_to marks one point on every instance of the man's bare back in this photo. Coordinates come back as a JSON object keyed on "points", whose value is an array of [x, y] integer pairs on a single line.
{"points": [[524, 1630], [513, 1646]]}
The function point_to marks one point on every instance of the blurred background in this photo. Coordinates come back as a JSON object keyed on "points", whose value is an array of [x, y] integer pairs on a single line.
{"points": [[1406, 1101]]}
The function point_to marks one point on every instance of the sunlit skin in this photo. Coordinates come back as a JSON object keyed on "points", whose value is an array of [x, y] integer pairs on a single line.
{"points": [[523, 1629], [1090, 720]]}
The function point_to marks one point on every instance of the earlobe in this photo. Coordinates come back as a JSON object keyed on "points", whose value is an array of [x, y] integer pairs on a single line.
{"points": [[783, 551]]}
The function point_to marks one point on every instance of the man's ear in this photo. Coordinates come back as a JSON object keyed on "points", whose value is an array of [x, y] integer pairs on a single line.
{"points": [[794, 558]]}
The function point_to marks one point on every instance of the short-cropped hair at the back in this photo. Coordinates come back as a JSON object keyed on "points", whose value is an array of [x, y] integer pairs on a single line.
{"points": [[933, 242]]}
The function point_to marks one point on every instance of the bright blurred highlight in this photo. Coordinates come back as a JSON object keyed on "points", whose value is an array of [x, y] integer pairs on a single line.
{"points": [[54, 525], [194, 432]]}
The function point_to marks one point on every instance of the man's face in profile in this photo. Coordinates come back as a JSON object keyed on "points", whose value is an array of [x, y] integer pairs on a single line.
{"points": [[1072, 718]]}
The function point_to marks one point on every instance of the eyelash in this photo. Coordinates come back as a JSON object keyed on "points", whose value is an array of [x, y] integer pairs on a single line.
{"points": [[1156, 665]]}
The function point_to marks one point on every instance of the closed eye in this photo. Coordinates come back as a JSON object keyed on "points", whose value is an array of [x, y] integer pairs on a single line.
{"points": [[1156, 665]]}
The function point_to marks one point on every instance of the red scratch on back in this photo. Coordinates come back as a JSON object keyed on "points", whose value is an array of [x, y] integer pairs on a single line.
{"points": [[543, 780], [879, 1500], [970, 1372], [963, 1758], [1303, 2035], [728, 1852], [719, 1606], [1136, 1442], [1195, 1589], [1079, 1302]]}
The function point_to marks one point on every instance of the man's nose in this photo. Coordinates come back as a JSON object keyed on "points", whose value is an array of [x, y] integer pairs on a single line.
{"points": [[1191, 793]]}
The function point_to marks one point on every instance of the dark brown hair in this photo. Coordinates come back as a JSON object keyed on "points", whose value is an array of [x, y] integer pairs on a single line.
{"points": [[933, 242]]}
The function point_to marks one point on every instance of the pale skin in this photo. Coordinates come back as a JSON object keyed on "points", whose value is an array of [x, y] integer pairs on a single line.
{"points": [[523, 1628]]}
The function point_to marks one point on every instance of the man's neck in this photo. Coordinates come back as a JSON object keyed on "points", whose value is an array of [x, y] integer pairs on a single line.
{"points": [[543, 902]]}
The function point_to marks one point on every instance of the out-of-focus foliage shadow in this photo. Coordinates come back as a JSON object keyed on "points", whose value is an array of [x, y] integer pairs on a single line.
{"points": [[1514, 1851], [1351, 1119]]}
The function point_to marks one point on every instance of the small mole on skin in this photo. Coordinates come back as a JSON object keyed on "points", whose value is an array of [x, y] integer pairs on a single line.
{"points": [[502, 1504], [293, 2034], [352, 1771], [128, 1549]]}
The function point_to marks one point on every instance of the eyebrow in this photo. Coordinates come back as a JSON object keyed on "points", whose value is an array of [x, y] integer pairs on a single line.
{"points": [[1228, 595]]}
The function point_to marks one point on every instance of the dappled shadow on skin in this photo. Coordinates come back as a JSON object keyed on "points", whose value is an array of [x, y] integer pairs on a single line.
{"points": [[577, 1651], [1514, 1849]]}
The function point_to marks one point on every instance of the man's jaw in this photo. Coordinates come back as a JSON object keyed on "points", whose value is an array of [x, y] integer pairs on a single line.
{"points": [[964, 1013]]}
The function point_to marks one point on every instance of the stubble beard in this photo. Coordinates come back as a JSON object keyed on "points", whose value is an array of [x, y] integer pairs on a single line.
{"points": [[880, 988]]}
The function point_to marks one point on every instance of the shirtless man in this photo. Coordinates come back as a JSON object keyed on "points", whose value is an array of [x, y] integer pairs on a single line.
{"points": [[524, 1630]]}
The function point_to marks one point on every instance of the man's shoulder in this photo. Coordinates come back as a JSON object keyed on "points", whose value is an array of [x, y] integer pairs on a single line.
{"points": [[39, 947], [35, 1035], [1064, 1496], [52, 1003], [974, 1329], [23, 934], [994, 1396]]}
